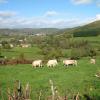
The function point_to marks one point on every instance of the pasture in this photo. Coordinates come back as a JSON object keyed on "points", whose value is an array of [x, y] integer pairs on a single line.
{"points": [[33, 52], [67, 80]]}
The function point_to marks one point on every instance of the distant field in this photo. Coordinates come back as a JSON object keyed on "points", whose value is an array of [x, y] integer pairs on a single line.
{"points": [[77, 79], [94, 41], [73, 79], [33, 52], [93, 38]]}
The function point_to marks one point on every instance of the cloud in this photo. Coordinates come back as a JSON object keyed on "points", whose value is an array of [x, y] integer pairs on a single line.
{"points": [[78, 2], [6, 14], [50, 13], [98, 17], [3, 1], [42, 22], [37, 23], [92, 19], [9, 19]]}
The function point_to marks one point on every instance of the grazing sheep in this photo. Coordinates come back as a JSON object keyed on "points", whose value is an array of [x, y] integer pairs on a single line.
{"points": [[52, 63], [70, 62], [92, 61], [37, 63]]}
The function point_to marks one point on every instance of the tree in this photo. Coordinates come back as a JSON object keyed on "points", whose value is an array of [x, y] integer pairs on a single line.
{"points": [[6, 45], [92, 53], [22, 56]]}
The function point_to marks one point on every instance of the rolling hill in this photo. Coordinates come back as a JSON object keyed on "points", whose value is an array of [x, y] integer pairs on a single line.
{"points": [[29, 31], [91, 29]]}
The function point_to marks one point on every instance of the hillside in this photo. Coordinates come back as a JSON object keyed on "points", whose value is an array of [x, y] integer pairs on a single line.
{"points": [[94, 25], [29, 31], [91, 29]]}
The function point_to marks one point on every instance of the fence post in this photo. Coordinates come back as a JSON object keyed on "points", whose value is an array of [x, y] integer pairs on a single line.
{"points": [[52, 89]]}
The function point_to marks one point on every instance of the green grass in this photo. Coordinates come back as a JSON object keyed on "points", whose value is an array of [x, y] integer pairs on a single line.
{"points": [[94, 40], [77, 79], [33, 52]]}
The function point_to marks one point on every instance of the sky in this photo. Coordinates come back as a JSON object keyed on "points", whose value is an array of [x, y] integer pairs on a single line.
{"points": [[48, 13]]}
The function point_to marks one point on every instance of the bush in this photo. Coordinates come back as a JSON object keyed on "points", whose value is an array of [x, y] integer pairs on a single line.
{"points": [[22, 56], [6, 45], [51, 53], [84, 51]]}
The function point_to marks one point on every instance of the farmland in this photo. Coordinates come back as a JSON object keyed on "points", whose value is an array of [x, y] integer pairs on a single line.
{"points": [[76, 79], [34, 52], [49, 49], [69, 81]]}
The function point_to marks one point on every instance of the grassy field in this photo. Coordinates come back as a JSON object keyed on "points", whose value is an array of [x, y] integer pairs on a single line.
{"points": [[67, 80], [74, 79], [33, 52]]}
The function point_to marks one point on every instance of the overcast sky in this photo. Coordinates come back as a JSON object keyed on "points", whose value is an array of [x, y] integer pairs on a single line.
{"points": [[48, 13]]}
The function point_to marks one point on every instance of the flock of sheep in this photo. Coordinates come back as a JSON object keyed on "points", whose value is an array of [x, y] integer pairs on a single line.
{"points": [[52, 63]]}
